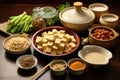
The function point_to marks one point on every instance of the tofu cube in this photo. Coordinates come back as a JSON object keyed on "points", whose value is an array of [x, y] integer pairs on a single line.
{"points": [[67, 48], [51, 38], [59, 52], [38, 39], [72, 44], [62, 31], [54, 31], [53, 52], [67, 36], [61, 35], [48, 49], [44, 45], [73, 39], [44, 33], [64, 40], [57, 41], [55, 47], [40, 47], [44, 40], [50, 43], [50, 33], [61, 46]]}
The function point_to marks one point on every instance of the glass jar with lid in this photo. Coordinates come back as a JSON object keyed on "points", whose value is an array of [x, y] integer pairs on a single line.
{"points": [[38, 21], [48, 13]]}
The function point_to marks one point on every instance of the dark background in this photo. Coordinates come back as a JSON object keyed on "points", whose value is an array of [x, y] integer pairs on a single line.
{"points": [[56, 1]]}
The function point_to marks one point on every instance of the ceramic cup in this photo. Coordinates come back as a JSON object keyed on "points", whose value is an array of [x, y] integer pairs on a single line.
{"points": [[109, 19], [98, 9]]}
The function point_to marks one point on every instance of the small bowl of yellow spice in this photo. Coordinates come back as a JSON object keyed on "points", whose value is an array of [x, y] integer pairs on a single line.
{"points": [[76, 66]]}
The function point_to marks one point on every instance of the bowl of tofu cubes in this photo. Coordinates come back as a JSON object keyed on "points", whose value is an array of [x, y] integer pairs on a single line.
{"points": [[55, 41]]}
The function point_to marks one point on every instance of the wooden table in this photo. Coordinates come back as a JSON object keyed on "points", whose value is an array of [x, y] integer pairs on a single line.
{"points": [[10, 71]]}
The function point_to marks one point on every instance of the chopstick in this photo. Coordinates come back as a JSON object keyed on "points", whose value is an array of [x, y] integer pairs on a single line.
{"points": [[39, 72]]}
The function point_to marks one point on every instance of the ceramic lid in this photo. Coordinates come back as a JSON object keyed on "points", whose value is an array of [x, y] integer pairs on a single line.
{"points": [[77, 14]]}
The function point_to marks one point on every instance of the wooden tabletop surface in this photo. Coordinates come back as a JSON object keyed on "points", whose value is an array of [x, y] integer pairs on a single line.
{"points": [[10, 71]]}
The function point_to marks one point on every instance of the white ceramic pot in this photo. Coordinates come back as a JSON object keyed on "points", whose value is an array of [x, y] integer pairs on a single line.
{"points": [[77, 18]]}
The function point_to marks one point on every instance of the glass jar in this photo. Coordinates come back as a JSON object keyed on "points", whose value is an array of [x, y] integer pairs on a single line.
{"points": [[48, 13], [38, 21]]}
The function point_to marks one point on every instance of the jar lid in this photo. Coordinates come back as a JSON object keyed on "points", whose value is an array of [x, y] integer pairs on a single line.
{"points": [[77, 14]]}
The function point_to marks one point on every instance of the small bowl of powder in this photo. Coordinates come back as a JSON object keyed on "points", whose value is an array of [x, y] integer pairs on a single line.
{"points": [[26, 61]]}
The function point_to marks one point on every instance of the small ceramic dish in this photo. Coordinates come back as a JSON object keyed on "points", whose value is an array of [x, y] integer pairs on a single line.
{"points": [[17, 44], [95, 55], [76, 66], [58, 67], [103, 36], [109, 19], [26, 62], [98, 9]]}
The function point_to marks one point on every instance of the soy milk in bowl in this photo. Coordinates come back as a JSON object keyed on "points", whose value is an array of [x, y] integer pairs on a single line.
{"points": [[95, 55], [98, 9]]}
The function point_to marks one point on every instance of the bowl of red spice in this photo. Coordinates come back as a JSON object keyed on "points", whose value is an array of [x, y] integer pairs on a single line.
{"points": [[76, 66]]}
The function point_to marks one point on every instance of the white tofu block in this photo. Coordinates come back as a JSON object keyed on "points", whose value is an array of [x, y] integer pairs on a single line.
{"points": [[44, 33], [48, 49], [54, 31], [72, 44], [55, 47], [50, 43], [61, 45], [59, 52], [62, 31], [44, 40], [64, 40], [73, 39], [50, 33], [61, 35], [38, 39], [44, 45], [53, 52], [57, 41], [51, 38], [40, 47]]}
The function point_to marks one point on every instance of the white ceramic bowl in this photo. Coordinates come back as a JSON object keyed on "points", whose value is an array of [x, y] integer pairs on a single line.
{"points": [[25, 62], [95, 55], [22, 48]]}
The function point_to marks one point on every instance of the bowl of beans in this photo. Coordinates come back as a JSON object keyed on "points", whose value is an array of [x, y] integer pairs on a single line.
{"points": [[103, 36]]}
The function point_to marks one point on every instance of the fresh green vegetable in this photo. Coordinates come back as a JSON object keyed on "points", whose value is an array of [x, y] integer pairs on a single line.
{"points": [[19, 24], [60, 7], [63, 6]]}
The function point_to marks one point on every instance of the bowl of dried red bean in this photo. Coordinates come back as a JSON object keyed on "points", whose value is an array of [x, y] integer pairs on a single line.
{"points": [[103, 36]]}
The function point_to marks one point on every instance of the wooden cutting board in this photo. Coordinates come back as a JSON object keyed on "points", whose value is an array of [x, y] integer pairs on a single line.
{"points": [[3, 27]]}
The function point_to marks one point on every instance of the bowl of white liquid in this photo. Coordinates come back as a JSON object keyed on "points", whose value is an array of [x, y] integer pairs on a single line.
{"points": [[95, 55], [109, 19], [98, 9]]}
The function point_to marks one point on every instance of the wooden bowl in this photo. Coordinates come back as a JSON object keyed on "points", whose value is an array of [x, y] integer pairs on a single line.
{"points": [[38, 33], [109, 43]]}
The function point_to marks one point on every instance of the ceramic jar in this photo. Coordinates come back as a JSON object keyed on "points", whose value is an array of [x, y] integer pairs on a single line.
{"points": [[77, 18]]}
